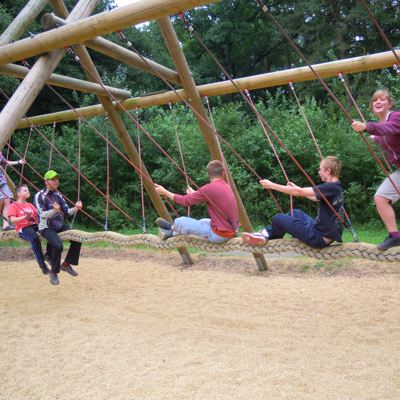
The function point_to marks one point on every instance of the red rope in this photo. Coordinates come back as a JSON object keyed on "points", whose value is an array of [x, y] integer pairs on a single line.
{"points": [[380, 30], [25, 154], [291, 86], [52, 142], [178, 142], [79, 160], [272, 147], [107, 182], [8, 154]]}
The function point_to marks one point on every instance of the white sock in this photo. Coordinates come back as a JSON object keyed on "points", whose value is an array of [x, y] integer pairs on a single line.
{"points": [[265, 233]]}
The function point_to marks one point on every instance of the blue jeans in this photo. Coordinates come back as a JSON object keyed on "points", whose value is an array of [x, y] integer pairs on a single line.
{"points": [[198, 227], [300, 225], [29, 233]]}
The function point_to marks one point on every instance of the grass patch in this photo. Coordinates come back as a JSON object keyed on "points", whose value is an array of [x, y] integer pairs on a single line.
{"points": [[367, 233]]}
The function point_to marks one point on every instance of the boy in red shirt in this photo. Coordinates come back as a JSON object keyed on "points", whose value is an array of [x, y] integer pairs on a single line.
{"points": [[24, 216], [221, 204]]}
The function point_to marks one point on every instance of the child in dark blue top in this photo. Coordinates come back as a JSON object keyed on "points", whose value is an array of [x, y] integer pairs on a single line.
{"points": [[320, 232]]}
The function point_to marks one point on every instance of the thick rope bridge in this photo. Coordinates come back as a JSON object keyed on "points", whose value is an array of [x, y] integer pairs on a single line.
{"points": [[360, 250]]}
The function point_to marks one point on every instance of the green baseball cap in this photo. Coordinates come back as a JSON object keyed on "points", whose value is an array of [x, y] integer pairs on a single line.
{"points": [[51, 174]]}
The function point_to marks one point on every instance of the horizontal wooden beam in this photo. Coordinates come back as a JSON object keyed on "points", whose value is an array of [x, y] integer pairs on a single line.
{"points": [[278, 78], [18, 71], [110, 49], [88, 28]]}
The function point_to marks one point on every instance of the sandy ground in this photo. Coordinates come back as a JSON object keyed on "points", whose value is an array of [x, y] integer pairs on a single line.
{"points": [[135, 325]]}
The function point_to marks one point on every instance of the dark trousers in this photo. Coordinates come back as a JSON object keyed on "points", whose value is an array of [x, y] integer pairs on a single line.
{"points": [[55, 248], [300, 225], [29, 234]]}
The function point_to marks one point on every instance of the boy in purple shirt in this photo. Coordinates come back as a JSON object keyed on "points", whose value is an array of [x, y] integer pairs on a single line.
{"points": [[221, 203], [386, 132]]}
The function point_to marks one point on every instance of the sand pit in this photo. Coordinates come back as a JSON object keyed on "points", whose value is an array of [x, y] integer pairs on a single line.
{"points": [[134, 325]]}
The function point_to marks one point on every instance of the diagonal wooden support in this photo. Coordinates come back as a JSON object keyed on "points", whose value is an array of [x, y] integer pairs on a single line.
{"points": [[13, 32], [123, 135], [110, 49], [209, 136], [24, 96]]}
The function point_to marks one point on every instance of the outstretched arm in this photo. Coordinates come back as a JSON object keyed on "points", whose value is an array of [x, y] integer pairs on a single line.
{"points": [[19, 162], [191, 198], [164, 192], [290, 189]]}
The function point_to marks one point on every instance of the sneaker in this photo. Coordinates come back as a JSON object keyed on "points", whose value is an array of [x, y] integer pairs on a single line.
{"points": [[163, 224], [54, 278], [264, 232], [389, 242], [165, 234], [45, 269], [254, 239], [67, 268], [8, 228]]}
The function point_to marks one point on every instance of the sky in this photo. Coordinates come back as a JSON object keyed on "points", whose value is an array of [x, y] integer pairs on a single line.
{"points": [[124, 2]]}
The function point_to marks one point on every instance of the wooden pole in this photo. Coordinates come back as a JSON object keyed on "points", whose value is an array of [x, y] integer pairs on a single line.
{"points": [[271, 79], [126, 141], [209, 136], [33, 83], [18, 71], [22, 21], [97, 25], [120, 129], [117, 52]]}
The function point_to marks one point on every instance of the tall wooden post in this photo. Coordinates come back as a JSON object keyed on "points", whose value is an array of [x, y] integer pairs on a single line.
{"points": [[123, 135], [194, 99], [24, 96]]}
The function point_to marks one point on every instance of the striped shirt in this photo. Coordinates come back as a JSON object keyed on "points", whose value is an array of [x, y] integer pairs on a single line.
{"points": [[48, 216]]}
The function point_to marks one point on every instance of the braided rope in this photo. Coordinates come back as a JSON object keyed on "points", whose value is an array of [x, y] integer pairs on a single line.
{"points": [[335, 251]]}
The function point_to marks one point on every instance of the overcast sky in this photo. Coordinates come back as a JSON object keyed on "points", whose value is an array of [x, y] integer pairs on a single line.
{"points": [[125, 2]]}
